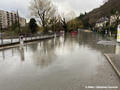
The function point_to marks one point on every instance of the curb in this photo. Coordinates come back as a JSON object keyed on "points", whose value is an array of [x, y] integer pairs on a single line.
{"points": [[114, 67]]}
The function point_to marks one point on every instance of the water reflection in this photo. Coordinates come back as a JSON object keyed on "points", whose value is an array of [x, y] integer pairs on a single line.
{"points": [[10, 53], [26, 47], [44, 53], [22, 54], [3, 54], [90, 40]]}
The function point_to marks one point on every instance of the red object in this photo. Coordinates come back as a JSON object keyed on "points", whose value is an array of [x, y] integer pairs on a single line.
{"points": [[74, 32]]}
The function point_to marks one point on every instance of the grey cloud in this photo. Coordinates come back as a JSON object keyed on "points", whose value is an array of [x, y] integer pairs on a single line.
{"points": [[79, 6]]}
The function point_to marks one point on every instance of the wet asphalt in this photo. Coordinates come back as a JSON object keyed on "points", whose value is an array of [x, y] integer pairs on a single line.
{"points": [[63, 63]]}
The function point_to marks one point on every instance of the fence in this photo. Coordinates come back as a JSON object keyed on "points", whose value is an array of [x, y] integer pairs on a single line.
{"points": [[15, 38]]}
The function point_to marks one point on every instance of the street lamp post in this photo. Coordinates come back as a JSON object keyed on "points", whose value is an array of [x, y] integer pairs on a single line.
{"points": [[18, 21]]}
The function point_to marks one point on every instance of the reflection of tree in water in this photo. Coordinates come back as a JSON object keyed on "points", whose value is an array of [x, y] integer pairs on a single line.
{"points": [[34, 47], [45, 52], [70, 42]]}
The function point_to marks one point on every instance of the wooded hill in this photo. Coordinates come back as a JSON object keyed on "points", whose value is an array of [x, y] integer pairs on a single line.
{"points": [[109, 8]]}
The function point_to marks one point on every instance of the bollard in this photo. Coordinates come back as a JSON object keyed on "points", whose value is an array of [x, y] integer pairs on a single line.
{"points": [[106, 31], [110, 33], [21, 42]]}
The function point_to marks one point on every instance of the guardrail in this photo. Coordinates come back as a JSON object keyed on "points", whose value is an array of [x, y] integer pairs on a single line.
{"points": [[15, 38]]}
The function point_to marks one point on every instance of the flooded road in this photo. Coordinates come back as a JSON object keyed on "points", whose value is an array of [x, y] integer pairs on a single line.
{"points": [[63, 63]]}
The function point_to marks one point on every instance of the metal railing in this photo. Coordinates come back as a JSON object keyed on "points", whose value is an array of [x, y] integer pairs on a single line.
{"points": [[15, 38]]}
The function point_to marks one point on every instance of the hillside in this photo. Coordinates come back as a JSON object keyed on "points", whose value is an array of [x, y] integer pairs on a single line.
{"points": [[106, 10]]}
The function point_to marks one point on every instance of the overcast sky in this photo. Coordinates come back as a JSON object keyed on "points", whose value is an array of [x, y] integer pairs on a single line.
{"points": [[64, 6]]}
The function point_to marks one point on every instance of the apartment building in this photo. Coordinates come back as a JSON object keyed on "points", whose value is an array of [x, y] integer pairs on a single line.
{"points": [[8, 18], [2, 19]]}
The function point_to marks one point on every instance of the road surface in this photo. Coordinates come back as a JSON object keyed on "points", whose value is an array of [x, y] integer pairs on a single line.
{"points": [[62, 63]]}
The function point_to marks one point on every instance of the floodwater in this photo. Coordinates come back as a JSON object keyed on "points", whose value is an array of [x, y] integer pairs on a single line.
{"points": [[62, 63]]}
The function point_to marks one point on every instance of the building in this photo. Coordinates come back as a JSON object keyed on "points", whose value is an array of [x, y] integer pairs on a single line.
{"points": [[8, 18], [101, 22], [22, 22]]}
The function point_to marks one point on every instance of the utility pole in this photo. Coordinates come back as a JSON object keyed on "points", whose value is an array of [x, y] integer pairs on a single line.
{"points": [[18, 21]]}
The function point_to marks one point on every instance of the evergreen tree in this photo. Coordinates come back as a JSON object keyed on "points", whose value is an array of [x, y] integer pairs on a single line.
{"points": [[32, 25]]}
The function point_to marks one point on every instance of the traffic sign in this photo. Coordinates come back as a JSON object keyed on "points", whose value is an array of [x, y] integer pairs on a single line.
{"points": [[100, 28], [118, 33]]}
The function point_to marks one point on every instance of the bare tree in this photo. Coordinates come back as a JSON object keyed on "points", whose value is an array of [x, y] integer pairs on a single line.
{"points": [[66, 18], [111, 9], [64, 24], [53, 22], [115, 12], [43, 10], [75, 24]]}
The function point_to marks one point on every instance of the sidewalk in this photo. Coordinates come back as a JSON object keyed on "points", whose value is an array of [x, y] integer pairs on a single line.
{"points": [[114, 60]]}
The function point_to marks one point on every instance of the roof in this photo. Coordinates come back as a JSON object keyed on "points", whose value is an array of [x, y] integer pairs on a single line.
{"points": [[102, 20]]}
